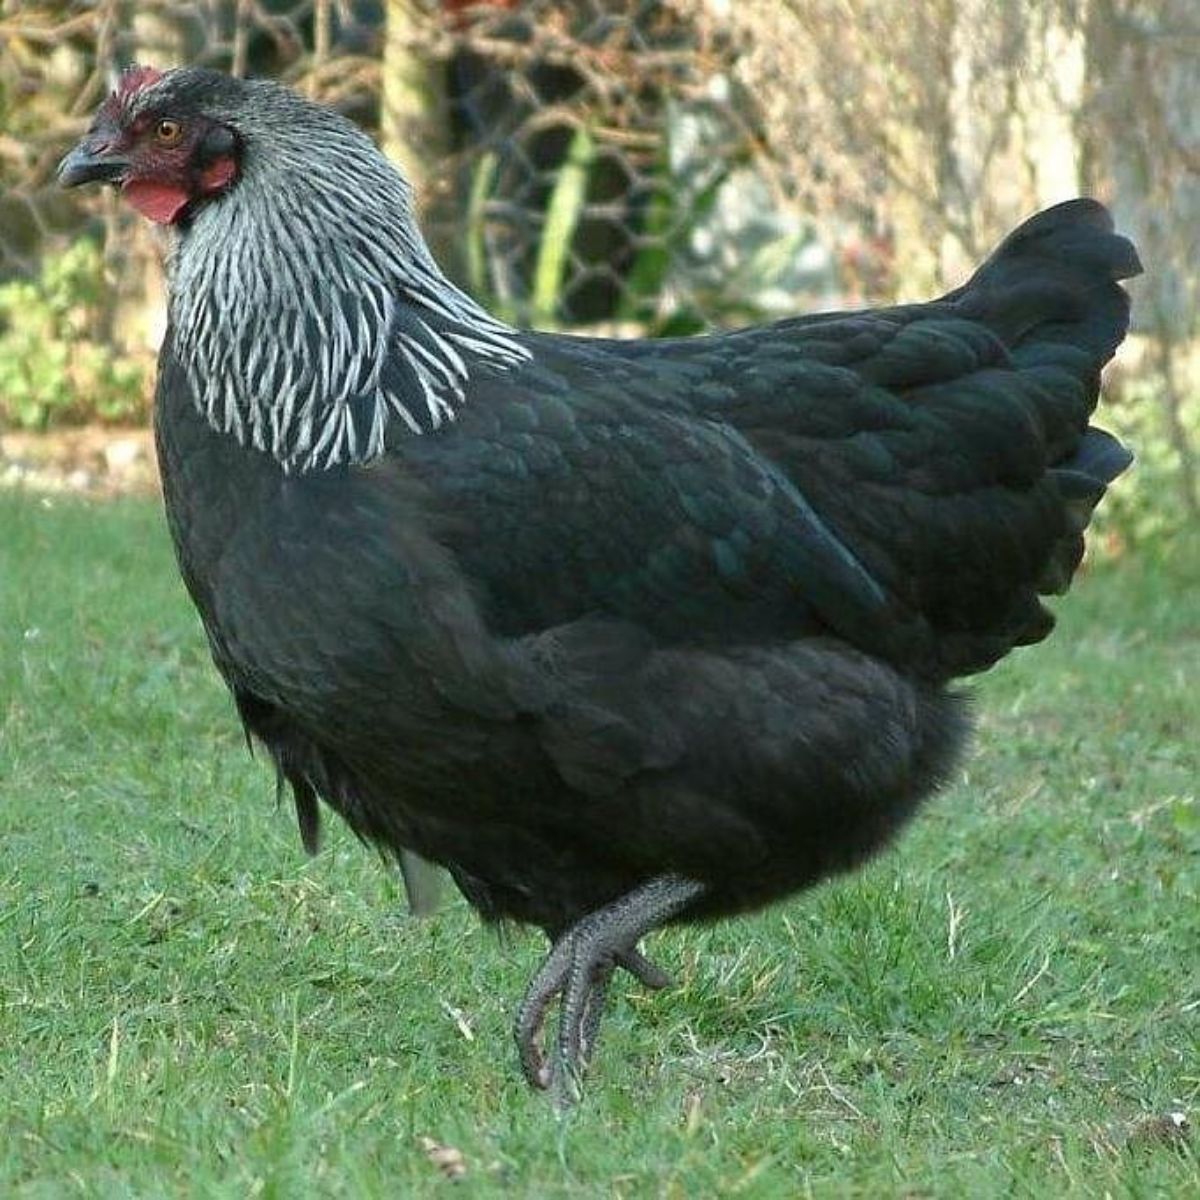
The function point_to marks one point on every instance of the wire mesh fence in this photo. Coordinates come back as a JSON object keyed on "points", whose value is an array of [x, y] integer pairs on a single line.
{"points": [[578, 163], [585, 147], [631, 166], [570, 155]]}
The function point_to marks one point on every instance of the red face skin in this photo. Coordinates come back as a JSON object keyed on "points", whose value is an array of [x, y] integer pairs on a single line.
{"points": [[170, 164]]}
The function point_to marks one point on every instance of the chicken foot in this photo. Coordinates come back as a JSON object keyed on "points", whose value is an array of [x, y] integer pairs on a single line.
{"points": [[578, 970]]}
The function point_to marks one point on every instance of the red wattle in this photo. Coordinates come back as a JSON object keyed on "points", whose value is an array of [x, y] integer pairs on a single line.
{"points": [[161, 202]]}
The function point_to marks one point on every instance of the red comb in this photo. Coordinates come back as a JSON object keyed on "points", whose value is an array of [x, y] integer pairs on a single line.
{"points": [[134, 78]]}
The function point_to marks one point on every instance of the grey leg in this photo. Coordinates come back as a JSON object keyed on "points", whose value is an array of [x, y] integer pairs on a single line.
{"points": [[578, 969]]}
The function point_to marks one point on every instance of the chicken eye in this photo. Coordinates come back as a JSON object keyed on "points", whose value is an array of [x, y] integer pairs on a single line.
{"points": [[168, 132]]}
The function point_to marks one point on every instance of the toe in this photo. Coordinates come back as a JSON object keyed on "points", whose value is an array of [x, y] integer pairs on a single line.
{"points": [[643, 970]]}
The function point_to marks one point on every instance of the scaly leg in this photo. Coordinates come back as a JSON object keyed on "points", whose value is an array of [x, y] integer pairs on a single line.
{"points": [[578, 969]]}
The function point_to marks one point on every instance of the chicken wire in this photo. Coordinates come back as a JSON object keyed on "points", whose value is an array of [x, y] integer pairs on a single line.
{"points": [[577, 162]]}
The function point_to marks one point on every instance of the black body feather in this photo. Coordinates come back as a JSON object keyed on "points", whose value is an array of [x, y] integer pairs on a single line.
{"points": [[651, 607], [619, 632]]}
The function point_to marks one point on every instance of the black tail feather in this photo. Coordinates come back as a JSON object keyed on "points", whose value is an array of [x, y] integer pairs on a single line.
{"points": [[1082, 481], [1051, 292], [1057, 274], [1100, 456]]}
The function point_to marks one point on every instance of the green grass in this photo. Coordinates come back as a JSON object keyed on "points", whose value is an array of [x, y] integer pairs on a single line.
{"points": [[189, 1006]]}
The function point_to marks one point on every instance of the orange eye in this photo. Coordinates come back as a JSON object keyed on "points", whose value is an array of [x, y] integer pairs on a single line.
{"points": [[168, 132]]}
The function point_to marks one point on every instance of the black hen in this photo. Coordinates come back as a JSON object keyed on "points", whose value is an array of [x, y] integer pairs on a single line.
{"points": [[619, 632]]}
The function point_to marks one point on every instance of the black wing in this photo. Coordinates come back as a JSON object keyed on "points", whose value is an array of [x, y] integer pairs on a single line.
{"points": [[909, 478]]}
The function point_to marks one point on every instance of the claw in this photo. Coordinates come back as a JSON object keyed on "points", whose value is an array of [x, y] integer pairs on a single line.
{"points": [[577, 971], [531, 1015]]}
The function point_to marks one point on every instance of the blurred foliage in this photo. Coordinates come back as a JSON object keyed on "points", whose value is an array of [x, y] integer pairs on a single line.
{"points": [[655, 167], [563, 211], [1148, 505], [51, 371]]}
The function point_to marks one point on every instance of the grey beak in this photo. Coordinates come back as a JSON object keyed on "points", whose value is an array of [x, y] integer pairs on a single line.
{"points": [[90, 164]]}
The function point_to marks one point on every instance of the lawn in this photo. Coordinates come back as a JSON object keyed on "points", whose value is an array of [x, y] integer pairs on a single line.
{"points": [[1008, 1004]]}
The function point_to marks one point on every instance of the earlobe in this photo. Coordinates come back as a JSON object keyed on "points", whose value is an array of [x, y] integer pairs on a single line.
{"points": [[217, 175], [216, 156]]}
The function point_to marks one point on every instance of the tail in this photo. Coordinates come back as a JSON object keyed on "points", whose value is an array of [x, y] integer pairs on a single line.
{"points": [[1051, 292], [1055, 282]]}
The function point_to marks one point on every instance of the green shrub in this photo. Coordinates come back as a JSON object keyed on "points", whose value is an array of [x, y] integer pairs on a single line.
{"points": [[52, 372], [1149, 505]]}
